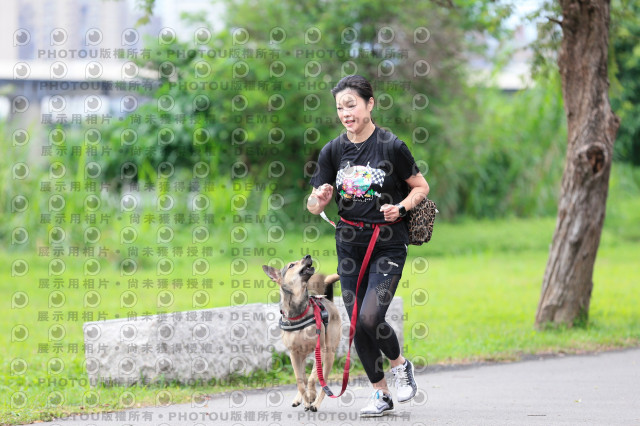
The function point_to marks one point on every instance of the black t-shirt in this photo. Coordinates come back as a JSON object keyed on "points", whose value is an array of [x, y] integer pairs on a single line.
{"points": [[365, 181]]}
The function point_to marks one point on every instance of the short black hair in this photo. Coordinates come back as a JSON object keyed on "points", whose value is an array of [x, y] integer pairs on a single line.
{"points": [[356, 82]]}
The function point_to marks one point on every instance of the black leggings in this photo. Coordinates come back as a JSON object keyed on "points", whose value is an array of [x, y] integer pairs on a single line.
{"points": [[374, 336]]}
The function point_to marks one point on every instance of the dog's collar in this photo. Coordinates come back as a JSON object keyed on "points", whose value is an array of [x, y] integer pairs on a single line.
{"points": [[302, 321], [287, 325], [299, 316]]}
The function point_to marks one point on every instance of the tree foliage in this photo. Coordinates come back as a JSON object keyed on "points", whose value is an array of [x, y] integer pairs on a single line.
{"points": [[625, 78]]}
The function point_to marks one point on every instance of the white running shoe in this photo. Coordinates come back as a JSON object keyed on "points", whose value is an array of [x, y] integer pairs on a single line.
{"points": [[378, 404], [405, 382]]}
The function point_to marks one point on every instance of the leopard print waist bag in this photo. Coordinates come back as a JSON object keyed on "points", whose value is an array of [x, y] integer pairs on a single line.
{"points": [[420, 220]]}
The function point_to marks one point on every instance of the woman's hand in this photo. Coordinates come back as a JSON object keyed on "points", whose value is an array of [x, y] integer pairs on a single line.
{"points": [[319, 198], [391, 212], [323, 193]]}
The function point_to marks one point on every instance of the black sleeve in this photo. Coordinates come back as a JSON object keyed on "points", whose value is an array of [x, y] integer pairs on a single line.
{"points": [[325, 171], [405, 164]]}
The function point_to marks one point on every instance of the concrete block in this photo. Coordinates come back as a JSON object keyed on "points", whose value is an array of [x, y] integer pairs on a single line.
{"points": [[195, 346]]}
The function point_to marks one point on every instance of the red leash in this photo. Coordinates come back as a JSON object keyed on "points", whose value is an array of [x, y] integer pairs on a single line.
{"points": [[354, 313]]}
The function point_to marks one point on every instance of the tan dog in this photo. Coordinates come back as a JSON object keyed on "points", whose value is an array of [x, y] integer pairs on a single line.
{"points": [[297, 281]]}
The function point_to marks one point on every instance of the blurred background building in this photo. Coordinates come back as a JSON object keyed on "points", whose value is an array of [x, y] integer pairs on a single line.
{"points": [[61, 59], [35, 35]]}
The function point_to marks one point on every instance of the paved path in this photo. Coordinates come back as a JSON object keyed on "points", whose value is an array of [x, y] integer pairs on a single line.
{"points": [[600, 389]]}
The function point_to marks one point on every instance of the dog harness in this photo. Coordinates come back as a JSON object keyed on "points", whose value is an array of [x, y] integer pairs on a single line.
{"points": [[303, 320]]}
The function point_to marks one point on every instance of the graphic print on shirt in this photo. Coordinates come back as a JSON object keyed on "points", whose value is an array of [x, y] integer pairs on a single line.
{"points": [[359, 183]]}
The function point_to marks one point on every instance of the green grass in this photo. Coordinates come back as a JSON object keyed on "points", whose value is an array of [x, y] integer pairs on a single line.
{"points": [[482, 307], [475, 301]]}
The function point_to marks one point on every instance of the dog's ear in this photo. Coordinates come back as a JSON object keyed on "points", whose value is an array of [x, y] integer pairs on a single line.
{"points": [[273, 273]]}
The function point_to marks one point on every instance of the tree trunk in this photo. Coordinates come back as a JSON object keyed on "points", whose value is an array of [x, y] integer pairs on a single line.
{"points": [[592, 127]]}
